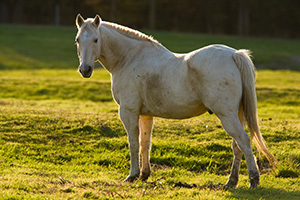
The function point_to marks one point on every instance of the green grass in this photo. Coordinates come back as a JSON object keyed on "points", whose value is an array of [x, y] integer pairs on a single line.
{"points": [[61, 137], [73, 146], [38, 47], [34, 47]]}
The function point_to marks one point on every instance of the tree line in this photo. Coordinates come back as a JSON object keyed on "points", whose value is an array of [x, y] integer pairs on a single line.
{"points": [[275, 18]]}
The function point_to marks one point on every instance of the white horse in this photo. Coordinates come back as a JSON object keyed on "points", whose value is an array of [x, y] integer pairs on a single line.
{"points": [[150, 81]]}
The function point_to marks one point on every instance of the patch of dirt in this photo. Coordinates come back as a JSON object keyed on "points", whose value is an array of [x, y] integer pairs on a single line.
{"points": [[212, 186], [185, 185], [209, 186]]}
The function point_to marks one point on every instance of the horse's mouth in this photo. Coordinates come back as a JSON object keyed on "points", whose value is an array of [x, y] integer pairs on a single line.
{"points": [[86, 76], [86, 73]]}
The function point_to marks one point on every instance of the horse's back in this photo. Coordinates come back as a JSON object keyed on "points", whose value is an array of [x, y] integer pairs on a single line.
{"points": [[212, 62], [210, 55]]}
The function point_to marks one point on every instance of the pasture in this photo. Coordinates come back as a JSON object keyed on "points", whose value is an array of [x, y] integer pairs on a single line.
{"points": [[61, 137]]}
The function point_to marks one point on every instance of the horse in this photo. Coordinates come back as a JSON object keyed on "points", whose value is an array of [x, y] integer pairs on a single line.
{"points": [[148, 80]]}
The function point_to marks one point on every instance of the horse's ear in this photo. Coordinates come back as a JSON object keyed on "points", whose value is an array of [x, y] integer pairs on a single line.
{"points": [[79, 21], [97, 21]]}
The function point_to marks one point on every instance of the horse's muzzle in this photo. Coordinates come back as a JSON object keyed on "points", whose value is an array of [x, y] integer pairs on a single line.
{"points": [[86, 72]]}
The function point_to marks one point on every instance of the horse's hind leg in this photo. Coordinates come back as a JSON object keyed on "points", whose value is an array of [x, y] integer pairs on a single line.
{"points": [[235, 168], [145, 124], [233, 127]]}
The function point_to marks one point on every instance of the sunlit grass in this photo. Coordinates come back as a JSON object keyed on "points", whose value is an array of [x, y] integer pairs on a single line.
{"points": [[68, 144]]}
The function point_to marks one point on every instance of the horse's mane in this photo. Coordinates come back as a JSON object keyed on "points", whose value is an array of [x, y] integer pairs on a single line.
{"points": [[133, 34]]}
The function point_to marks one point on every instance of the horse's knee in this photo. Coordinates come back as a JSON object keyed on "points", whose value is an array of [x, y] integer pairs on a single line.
{"points": [[241, 143]]}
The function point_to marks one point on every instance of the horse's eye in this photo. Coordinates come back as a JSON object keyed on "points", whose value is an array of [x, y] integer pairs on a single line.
{"points": [[96, 40], [77, 40]]}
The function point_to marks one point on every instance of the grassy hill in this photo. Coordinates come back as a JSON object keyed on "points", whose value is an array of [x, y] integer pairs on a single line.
{"points": [[37, 47], [61, 137]]}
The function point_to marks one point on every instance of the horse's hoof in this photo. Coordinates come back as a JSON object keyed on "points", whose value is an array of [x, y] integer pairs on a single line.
{"points": [[254, 182], [144, 176], [229, 186], [130, 179]]}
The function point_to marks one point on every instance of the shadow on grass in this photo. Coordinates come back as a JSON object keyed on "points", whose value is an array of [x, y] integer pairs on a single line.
{"points": [[27, 136], [262, 193], [257, 193], [289, 97], [101, 129]]}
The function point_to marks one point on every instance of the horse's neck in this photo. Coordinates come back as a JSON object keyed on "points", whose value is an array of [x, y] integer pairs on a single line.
{"points": [[117, 49]]}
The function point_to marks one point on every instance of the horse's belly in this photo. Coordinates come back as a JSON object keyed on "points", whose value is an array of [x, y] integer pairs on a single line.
{"points": [[169, 97], [172, 111]]}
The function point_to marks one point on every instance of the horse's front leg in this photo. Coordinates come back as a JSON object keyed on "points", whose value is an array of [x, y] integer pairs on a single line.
{"points": [[146, 123], [130, 121]]}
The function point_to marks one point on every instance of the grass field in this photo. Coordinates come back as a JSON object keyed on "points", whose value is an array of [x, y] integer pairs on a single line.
{"points": [[39, 47], [61, 137]]}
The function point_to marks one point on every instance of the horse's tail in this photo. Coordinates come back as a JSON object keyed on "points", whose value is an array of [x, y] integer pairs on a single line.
{"points": [[249, 100]]}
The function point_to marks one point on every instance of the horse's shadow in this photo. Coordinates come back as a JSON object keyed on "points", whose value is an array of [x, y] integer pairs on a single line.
{"points": [[262, 193]]}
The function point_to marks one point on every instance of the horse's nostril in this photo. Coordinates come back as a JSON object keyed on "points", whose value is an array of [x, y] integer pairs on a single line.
{"points": [[89, 68]]}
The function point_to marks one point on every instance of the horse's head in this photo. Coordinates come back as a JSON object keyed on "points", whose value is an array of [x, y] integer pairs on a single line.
{"points": [[88, 43]]}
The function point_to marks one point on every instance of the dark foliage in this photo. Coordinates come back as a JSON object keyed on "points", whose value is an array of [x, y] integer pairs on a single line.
{"points": [[274, 18]]}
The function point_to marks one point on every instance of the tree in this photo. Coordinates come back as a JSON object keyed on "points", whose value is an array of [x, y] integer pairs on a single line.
{"points": [[243, 21], [152, 15], [113, 8], [4, 12]]}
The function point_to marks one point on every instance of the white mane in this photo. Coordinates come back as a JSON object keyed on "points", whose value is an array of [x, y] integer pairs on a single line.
{"points": [[133, 34]]}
